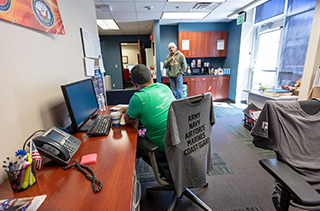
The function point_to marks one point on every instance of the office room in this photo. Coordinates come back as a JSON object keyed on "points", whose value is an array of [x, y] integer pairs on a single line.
{"points": [[35, 64]]}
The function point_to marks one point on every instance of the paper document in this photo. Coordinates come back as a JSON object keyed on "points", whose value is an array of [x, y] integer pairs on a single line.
{"points": [[102, 70], [118, 107], [185, 45], [122, 122], [220, 45], [89, 63]]}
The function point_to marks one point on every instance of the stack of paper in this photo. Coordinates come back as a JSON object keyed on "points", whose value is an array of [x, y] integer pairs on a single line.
{"points": [[277, 92]]}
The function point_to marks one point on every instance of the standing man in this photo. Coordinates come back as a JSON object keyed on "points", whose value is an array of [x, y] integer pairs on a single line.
{"points": [[176, 62], [150, 105]]}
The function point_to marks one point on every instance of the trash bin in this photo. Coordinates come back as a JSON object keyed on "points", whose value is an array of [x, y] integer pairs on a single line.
{"points": [[249, 119], [107, 82]]}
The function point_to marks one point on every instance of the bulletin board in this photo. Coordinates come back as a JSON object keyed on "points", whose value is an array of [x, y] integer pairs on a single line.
{"points": [[91, 44]]}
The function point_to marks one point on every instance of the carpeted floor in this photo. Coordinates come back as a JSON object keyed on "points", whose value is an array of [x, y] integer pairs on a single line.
{"points": [[248, 209], [228, 109], [145, 172], [243, 134]]}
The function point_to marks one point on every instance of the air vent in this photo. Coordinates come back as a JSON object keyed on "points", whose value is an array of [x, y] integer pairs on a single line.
{"points": [[204, 6]]}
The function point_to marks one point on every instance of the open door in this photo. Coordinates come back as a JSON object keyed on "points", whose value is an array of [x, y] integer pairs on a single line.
{"points": [[140, 52], [132, 53]]}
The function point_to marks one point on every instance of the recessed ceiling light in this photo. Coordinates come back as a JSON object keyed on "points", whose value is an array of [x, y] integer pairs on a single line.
{"points": [[196, 0], [107, 24], [184, 15]]}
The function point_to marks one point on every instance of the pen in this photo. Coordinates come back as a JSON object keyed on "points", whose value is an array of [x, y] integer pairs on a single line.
{"points": [[11, 167], [6, 168]]}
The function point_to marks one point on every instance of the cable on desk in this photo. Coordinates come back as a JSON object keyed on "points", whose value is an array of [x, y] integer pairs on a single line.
{"points": [[93, 178], [24, 144], [62, 128]]}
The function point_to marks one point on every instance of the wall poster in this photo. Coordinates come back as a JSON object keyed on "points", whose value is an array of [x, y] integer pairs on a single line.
{"points": [[43, 15], [98, 82]]}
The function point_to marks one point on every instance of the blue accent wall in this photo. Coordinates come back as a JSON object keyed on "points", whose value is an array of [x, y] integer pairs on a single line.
{"points": [[111, 54], [232, 59], [168, 33]]}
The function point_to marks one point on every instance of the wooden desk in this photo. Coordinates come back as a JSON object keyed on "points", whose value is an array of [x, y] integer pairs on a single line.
{"points": [[71, 190]]}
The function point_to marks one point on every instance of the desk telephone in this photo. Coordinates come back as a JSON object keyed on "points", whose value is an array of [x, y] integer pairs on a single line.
{"points": [[57, 145]]}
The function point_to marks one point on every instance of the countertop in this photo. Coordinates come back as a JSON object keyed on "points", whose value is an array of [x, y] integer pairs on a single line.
{"points": [[189, 76]]}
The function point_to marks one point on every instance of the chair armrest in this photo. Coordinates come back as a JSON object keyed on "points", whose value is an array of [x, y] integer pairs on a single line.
{"points": [[300, 190], [147, 145]]}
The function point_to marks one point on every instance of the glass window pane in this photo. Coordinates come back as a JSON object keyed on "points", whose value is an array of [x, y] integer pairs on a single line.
{"points": [[269, 9], [295, 47], [300, 5]]}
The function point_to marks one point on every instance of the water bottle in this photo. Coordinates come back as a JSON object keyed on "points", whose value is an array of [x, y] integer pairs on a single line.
{"points": [[102, 105]]}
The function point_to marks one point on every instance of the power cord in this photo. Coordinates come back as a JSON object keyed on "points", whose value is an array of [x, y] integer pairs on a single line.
{"points": [[24, 145]]}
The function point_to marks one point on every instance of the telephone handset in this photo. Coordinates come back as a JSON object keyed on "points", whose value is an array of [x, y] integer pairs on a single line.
{"points": [[57, 145]]}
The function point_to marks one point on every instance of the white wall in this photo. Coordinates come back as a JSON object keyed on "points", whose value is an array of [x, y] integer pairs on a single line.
{"points": [[244, 58], [33, 65]]}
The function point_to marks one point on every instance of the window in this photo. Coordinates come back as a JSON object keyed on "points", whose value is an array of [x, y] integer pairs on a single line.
{"points": [[296, 40], [269, 9], [296, 17]]}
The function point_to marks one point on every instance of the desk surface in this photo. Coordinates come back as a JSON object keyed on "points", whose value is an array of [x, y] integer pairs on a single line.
{"points": [[258, 93], [259, 99], [71, 190]]}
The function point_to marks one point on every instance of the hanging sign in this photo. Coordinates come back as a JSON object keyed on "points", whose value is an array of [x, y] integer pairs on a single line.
{"points": [[241, 18], [37, 14]]}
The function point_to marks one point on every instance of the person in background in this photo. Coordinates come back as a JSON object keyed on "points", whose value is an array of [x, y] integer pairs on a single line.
{"points": [[176, 62], [150, 106]]}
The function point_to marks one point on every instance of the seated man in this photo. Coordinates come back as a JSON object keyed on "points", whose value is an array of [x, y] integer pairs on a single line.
{"points": [[150, 105]]}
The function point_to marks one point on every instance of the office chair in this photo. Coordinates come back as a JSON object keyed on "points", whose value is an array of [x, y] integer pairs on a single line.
{"points": [[162, 169], [295, 190], [297, 167]]}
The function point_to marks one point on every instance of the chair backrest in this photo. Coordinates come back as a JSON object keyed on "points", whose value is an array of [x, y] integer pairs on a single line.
{"points": [[187, 139], [115, 97], [286, 128]]}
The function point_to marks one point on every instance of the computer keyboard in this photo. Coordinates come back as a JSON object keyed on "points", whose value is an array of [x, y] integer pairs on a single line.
{"points": [[100, 126]]}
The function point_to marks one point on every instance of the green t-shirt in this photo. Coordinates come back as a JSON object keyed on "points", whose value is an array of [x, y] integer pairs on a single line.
{"points": [[151, 105]]}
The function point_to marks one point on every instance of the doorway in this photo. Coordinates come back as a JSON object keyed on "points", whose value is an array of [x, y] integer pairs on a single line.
{"points": [[131, 54], [267, 54]]}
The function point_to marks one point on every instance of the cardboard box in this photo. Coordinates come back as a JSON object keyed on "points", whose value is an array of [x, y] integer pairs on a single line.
{"points": [[314, 93]]}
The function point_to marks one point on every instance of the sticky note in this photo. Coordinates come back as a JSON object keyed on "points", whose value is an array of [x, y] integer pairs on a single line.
{"points": [[90, 158]]}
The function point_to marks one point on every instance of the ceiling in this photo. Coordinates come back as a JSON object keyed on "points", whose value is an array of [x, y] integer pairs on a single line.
{"points": [[137, 16]]}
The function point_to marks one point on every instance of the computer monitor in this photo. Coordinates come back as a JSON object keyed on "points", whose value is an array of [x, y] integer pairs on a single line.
{"points": [[81, 102]]}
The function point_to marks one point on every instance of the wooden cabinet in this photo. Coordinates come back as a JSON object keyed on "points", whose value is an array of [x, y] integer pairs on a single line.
{"points": [[203, 43], [197, 85], [217, 85], [191, 41]]}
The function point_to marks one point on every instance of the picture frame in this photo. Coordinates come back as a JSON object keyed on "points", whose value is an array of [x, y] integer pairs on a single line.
{"points": [[125, 59]]}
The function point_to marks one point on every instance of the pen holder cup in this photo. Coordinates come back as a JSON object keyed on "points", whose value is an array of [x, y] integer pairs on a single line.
{"points": [[23, 179]]}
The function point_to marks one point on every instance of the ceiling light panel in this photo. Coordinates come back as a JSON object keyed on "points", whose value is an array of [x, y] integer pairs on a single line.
{"points": [[107, 24], [184, 15]]}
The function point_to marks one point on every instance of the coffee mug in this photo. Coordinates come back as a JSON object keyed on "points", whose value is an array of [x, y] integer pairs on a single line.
{"points": [[115, 117]]}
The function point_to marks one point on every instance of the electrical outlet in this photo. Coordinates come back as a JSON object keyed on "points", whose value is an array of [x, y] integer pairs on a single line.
{"points": [[114, 85]]}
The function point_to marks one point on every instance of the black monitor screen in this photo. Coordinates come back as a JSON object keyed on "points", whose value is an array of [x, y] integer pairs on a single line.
{"points": [[81, 101]]}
